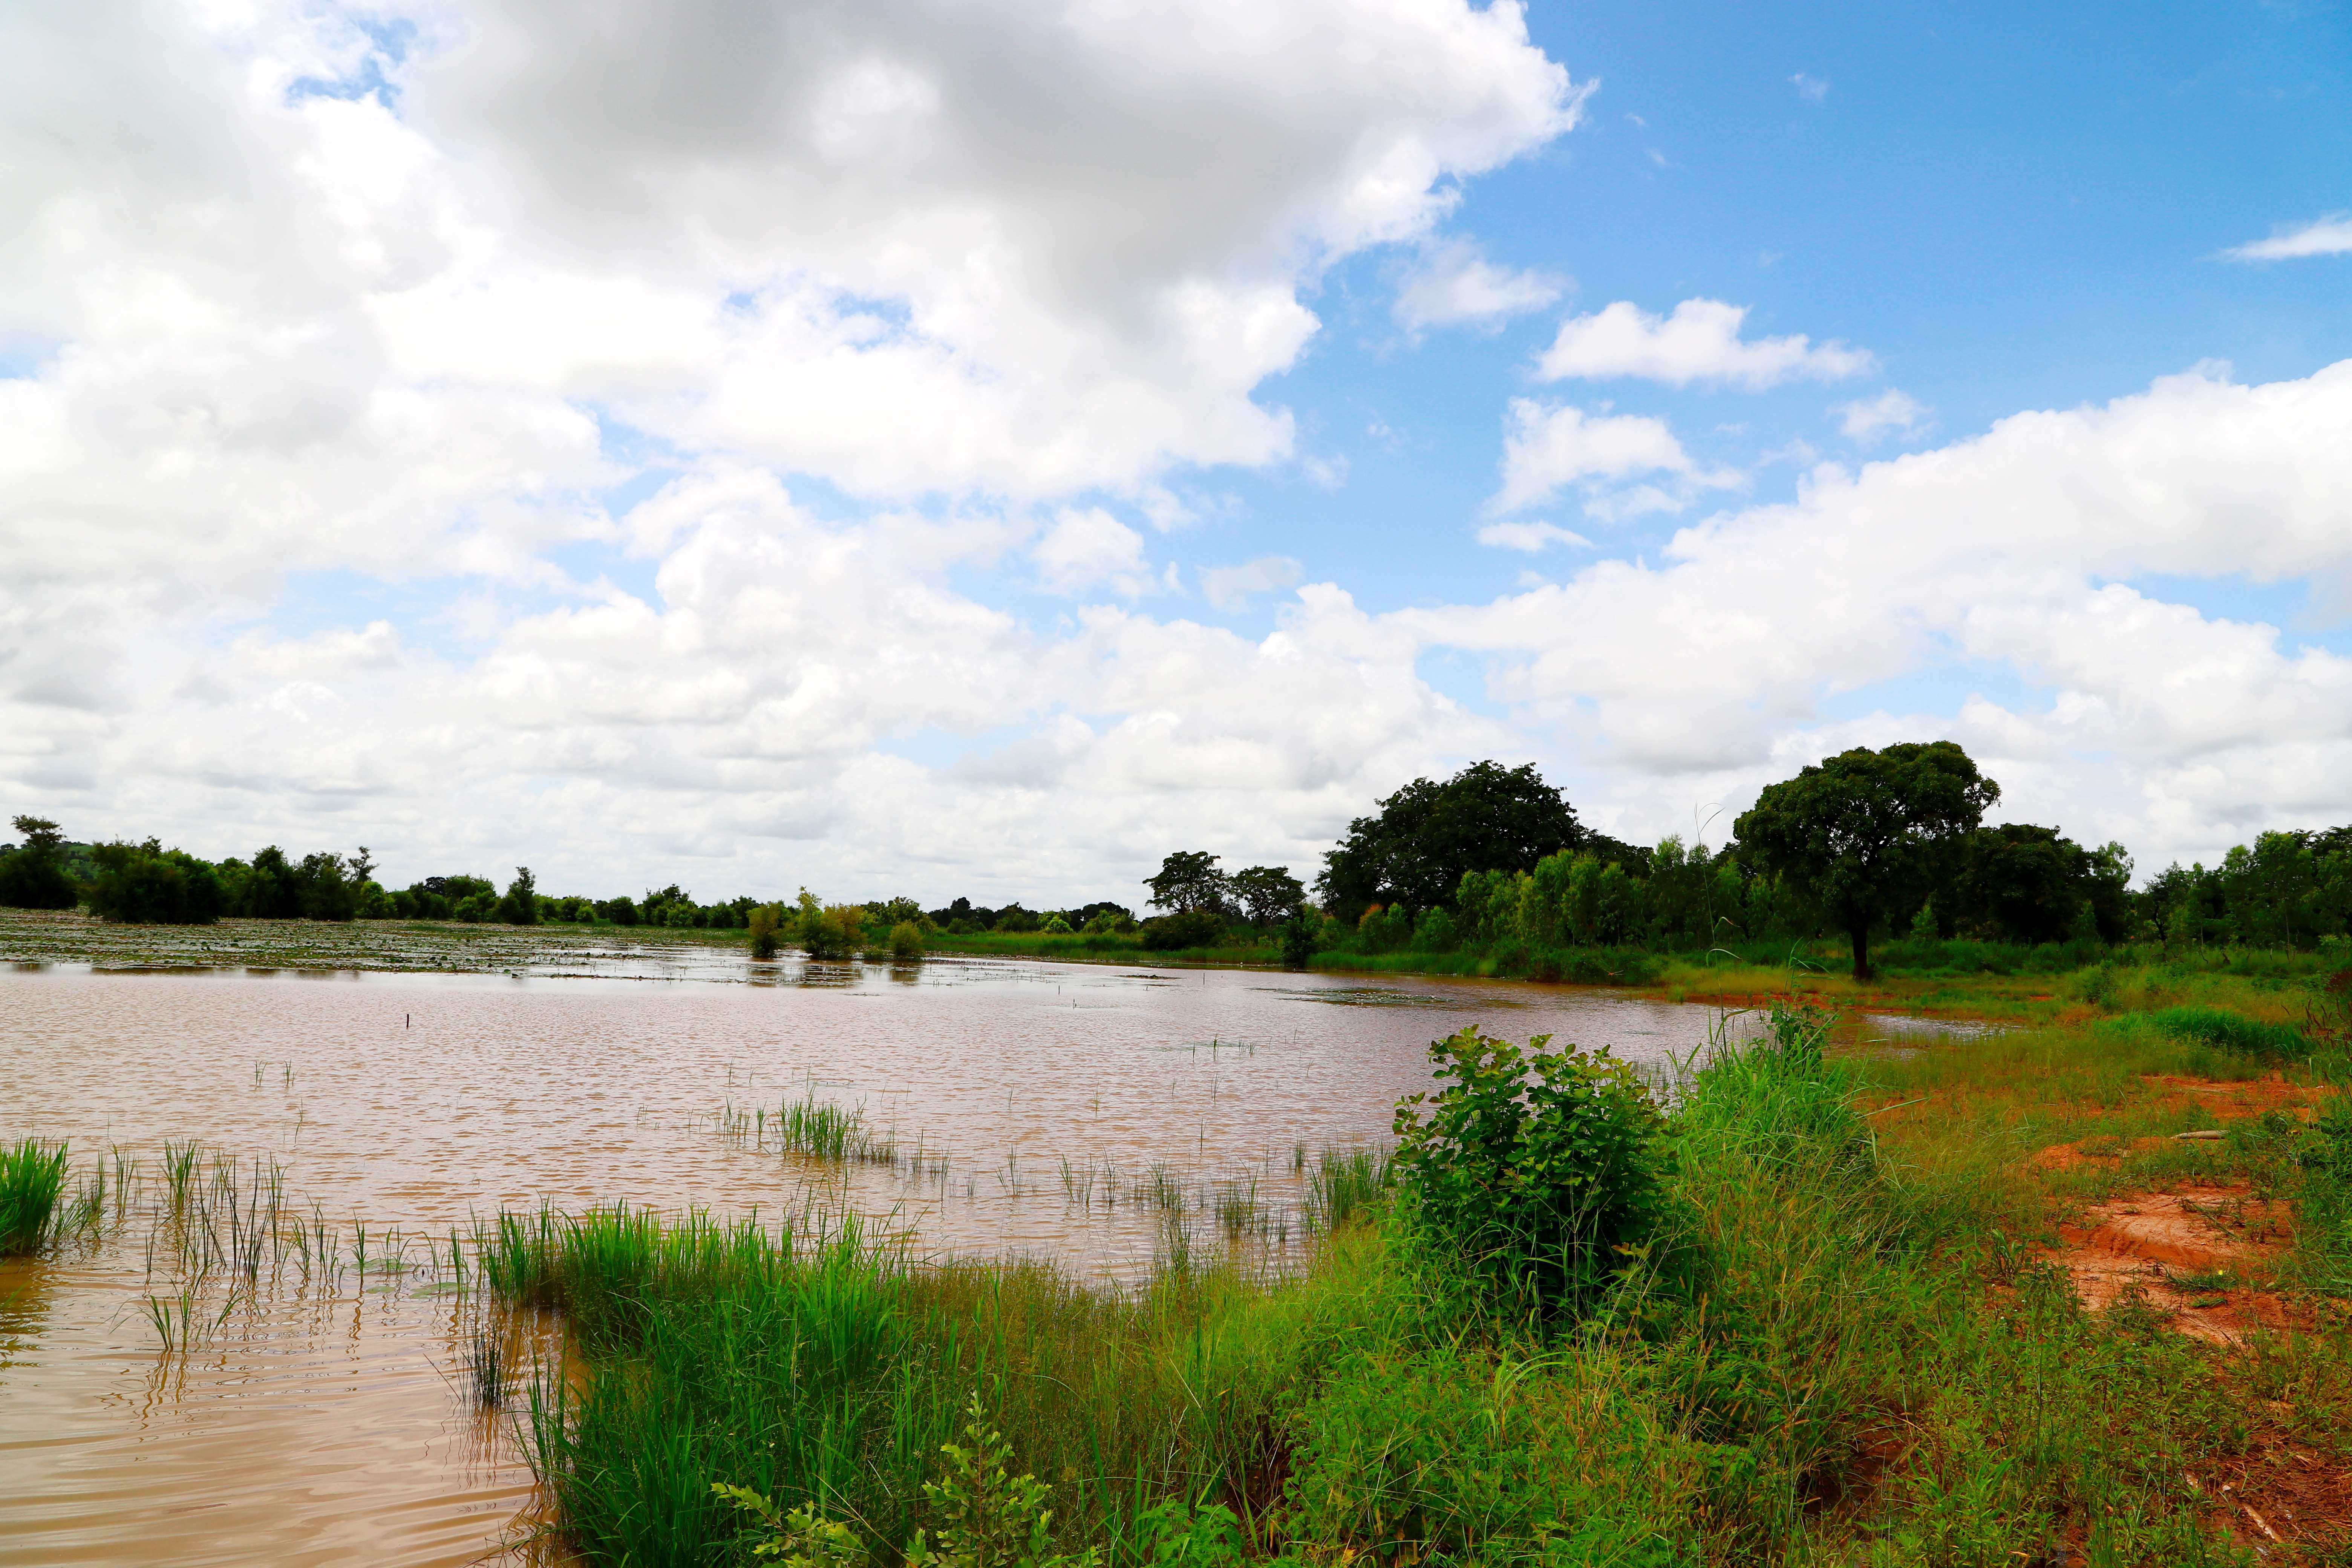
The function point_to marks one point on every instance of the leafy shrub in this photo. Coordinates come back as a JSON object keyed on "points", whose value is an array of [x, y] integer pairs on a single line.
{"points": [[907, 942], [1535, 1170], [33, 875], [830, 931], [763, 923], [1193, 928], [2230, 1032]]}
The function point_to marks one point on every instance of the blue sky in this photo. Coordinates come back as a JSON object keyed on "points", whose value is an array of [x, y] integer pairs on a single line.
{"points": [[824, 467]]}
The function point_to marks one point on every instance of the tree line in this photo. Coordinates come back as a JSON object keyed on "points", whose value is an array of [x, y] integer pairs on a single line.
{"points": [[1867, 845]]}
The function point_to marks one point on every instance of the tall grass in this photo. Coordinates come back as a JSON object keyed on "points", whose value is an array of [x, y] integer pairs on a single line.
{"points": [[32, 1178], [1832, 1348]]}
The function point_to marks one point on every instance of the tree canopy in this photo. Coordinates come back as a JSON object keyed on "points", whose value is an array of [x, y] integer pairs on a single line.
{"points": [[33, 875], [1189, 883], [1866, 832], [1428, 836]]}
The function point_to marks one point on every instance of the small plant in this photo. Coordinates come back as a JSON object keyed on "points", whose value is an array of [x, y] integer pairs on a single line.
{"points": [[1344, 1185], [31, 1178], [994, 1519], [1535, 1170], [907, 942], [801, 1539]]}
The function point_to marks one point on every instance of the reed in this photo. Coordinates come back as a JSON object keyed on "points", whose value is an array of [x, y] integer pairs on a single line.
{"points": [[1345, 1186], [32, 1178]]}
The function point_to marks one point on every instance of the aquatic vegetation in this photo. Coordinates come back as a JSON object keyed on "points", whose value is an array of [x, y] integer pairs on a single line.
{"points": [[32, 1177]]}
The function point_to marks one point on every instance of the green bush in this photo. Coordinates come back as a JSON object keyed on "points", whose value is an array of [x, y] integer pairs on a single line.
{"points": [[1193, 928], [1534, 1170], [907, 942]]}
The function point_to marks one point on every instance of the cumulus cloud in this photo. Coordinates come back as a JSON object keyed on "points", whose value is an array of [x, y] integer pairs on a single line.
{"points": [[2013, 550], [1699, 343], [1091, 549], [1453, 284], [2329, 235], [1229, 587], [1546, 447], [1868, 419]]}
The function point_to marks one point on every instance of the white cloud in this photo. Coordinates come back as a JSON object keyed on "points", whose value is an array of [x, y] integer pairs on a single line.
{"points": [[1868, 419], [1091, 549], [1546, 448], [2329, 235], [1698, 342], [1229, 587], [2168, 728], [1452, 284], [1530, 536], [1812, 88]]}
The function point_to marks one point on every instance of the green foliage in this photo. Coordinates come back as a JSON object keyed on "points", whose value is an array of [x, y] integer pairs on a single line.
{"points": [[519, 907], [1188, 883], [1266, 894], [1865, 833], [994, 1519], [1428, 836], [31, 1178], [147, 884], [763, 923], [801, 1539], [907, 942], [829, 932], [2231, 1031], [1185, 929], [33, 875], [1302, 934], [1535, 1170]]}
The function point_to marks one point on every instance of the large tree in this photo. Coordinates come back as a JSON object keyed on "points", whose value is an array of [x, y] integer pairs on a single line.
{"points": [[1428, 836], [1266, 894], [1866, 832], [1189, 883]]}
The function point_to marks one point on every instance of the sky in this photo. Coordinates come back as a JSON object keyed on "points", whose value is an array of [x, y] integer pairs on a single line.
{"points": [[976, 449]]}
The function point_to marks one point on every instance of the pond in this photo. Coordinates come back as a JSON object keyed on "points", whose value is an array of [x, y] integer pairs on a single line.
{"points": [[322, 1413]]}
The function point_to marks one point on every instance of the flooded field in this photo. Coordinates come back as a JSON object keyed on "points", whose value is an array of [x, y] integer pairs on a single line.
{"points": [[174, 1389]]}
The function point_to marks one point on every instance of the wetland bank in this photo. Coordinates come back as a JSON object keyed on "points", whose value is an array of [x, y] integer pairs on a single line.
{"points": [[416, 1266]]}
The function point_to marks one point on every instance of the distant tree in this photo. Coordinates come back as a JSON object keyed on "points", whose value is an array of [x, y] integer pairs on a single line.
{"points": [[519, 907], [1189, 883], [33, 875], [1266, 893], [1014, 918], [2021, 883], [268, 889], [1865, 833], [147, 884], [1428, 836], [328, 889]]}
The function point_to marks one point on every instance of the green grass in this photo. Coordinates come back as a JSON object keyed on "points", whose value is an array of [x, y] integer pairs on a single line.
{"points": [[32, 1179], [1842, 1347]]}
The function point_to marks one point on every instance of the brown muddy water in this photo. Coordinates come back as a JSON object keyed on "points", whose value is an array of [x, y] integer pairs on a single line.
{"points": [[171, 1391]]}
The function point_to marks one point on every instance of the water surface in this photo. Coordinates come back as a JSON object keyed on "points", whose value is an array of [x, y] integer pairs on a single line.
{"points": [[326, 1417]]}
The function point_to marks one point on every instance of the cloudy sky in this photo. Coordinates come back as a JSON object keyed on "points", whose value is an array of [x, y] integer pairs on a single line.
{"points": [[979, 446]]}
